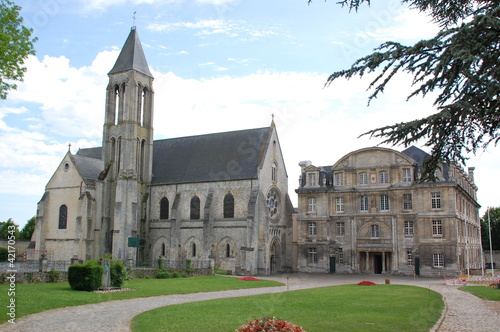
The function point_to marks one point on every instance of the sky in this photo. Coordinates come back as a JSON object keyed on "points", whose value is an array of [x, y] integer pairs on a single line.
{"points": [[219, 65]]}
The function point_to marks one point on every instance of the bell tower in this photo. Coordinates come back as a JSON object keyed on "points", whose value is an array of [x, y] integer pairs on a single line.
{"points": [[127, 150]]}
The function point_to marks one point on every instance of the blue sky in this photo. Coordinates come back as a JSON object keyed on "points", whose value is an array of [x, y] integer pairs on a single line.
{"points": [[219, 65]]}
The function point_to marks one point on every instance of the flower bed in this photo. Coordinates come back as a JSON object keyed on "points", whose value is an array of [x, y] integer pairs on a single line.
{"points": [[270, 324], [249, 279], [366, 283]]}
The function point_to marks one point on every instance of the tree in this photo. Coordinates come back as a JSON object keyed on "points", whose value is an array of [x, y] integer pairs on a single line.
{"points": [[460, 62], [6, 229], [28, 229], [16, 44], [494, 215]]}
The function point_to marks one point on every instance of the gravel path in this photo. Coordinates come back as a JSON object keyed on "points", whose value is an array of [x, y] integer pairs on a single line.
{"points": [[464, 312]]}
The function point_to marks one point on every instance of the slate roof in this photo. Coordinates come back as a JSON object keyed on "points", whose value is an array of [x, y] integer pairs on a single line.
{"points": [[235, 155], [89, 168], [131, 56], [224, 156], [416, 154]]}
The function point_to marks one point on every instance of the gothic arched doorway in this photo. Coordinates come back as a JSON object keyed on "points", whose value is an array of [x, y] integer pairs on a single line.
{"points": [[275, 256]]}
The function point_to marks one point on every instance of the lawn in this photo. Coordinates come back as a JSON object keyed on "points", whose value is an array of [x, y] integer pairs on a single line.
{"points": [[336, 308], [488, 293], [33, 298]]}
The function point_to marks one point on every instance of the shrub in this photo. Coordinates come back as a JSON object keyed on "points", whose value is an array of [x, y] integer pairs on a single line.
{"points": [[162, 274], [118, 272], [29, 277], [4, 254], [175, 274], [270, 324], [54, 275], [189, 269], [160, 263], [366, 283], [86, 276]]}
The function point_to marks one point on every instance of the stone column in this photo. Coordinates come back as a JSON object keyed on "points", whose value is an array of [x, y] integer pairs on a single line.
{"points": [[383, 263]]}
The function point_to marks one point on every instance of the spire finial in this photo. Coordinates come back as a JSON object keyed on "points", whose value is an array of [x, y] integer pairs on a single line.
{"points": [[69, 147], [133, 21], [272, 120]]}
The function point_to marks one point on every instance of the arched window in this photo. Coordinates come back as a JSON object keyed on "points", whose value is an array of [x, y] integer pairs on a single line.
{"points": [[193, 249], [228, 250], [63, 217], [163, 249], [228, 206], [164, 208], [118, 154], [116, 104], [274, 172], [195, 208]]}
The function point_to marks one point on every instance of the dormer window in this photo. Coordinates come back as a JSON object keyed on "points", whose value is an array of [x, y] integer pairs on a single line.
{"points": [[311, 179]]}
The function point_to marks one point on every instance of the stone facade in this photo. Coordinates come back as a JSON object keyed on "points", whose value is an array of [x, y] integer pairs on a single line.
{"points": [[368, 213], [218, 198]]}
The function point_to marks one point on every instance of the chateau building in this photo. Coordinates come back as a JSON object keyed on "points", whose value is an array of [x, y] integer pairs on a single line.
{"points": [[220, 198], [368, 213]]}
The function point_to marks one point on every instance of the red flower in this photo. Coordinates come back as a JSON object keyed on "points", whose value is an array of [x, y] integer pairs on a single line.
{"points": [[249, 279], [270, 324], [366, 283]]}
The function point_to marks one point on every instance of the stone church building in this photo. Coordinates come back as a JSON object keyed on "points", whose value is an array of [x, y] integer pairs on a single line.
{"points": [[220, 198], [368, 213]]}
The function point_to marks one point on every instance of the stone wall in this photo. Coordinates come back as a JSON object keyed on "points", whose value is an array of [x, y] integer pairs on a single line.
{"points": [[32, 277]]}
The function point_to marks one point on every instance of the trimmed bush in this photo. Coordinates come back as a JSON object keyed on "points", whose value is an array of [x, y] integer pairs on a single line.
{"points": [[4, 254], [86, 276], [118, 272]]}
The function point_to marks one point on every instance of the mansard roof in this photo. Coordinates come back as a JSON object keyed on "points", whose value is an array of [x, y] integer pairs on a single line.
{"points": [[235, 155], [132, 56]]}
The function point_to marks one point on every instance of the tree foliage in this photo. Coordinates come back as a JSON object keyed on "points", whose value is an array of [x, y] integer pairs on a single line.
{"points": [[6, 229], [461, 63], [494, 217], [16, 43], [28, 229]]}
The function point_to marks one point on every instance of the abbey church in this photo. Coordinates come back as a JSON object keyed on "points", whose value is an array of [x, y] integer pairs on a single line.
{"points": [[220, 198]]}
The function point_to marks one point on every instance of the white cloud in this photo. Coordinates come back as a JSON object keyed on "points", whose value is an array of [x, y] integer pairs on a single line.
{"points": [[208, 27], [217, 2], [314, 123], [409, 24]]}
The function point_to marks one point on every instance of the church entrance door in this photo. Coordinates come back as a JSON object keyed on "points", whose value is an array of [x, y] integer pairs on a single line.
{"points": [[275, 257], [377, 264]]}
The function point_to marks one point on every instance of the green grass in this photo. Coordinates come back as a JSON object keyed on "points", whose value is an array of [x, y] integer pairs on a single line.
{"points": [[33, 298], [485, 292], [336, 308]]}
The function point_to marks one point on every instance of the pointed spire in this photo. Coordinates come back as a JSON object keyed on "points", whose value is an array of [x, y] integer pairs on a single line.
{"points": [[132, 56]]}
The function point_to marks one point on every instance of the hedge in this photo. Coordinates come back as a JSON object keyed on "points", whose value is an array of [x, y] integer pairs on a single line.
{"points": [[4, 254], [86, 276]]}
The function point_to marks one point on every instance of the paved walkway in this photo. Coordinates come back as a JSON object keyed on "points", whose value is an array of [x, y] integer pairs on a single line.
{"points": [[464, 312]]}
